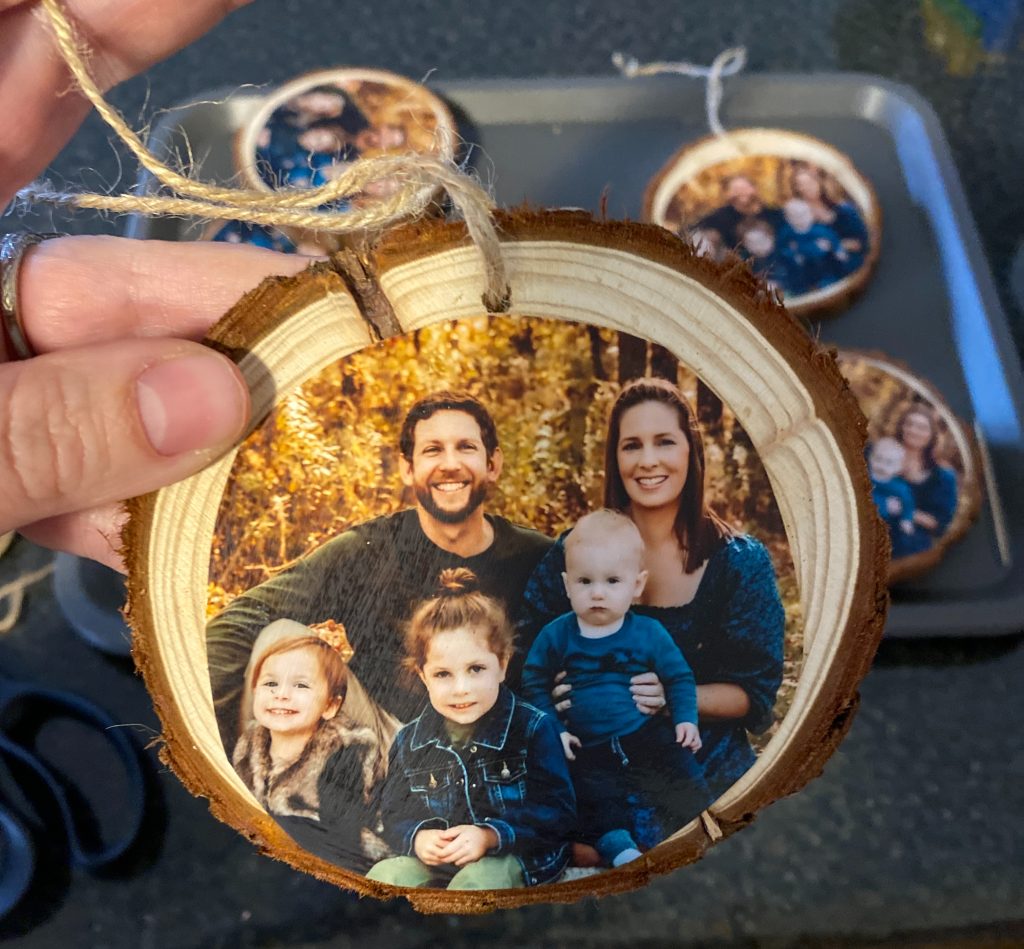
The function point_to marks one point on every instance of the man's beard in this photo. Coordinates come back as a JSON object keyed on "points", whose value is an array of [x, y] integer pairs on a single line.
{"points": [[425, 498]]}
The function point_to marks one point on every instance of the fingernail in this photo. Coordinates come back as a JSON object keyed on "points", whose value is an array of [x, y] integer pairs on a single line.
{"points": [[191, 403]]}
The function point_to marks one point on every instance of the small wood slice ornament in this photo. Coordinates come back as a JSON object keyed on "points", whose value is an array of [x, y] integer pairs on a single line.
{"points": [[923, 461], [323, 545], [792, 205], [309, 129]]}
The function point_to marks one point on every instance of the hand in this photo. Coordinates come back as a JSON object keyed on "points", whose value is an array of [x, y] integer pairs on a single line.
{"points": [[430, 845], [121, 399], [893, 505], [468, 843], [928, 521], [561, 689], [688, 735], [568, 743], [648, 692]]}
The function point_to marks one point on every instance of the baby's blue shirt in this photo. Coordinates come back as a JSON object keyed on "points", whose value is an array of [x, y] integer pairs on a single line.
{"points": [[599, 671]]}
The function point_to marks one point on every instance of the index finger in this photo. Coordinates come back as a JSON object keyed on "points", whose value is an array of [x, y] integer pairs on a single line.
{"points": [[78, 291]]}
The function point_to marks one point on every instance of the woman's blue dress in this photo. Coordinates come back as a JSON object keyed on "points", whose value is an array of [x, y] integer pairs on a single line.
{"points": [[936, 495], [849, 225]]}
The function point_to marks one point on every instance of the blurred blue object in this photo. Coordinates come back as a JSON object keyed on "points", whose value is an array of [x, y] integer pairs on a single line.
{"points": [[90, 596], [40, 797], [17, 861], [240, 232], [998, 18]]}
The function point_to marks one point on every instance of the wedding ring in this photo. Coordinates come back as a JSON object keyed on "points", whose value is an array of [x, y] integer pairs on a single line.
{"points": [[12, 251]]}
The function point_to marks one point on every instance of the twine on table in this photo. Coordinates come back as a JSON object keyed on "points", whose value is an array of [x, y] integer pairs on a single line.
{"points": [[12, 596], [727, 63], [417, 175]]}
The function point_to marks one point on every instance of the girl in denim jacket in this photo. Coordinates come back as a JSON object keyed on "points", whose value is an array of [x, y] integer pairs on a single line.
{"points": [[478, 794]]}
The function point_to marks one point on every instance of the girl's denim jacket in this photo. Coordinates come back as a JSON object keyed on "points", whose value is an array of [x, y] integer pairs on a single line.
{"points": [[511, 776]]}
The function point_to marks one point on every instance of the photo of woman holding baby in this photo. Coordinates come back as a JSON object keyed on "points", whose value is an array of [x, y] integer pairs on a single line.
{"points": [[923, 470], [810, 184], [932, 483], [713, 589], [795, 222]]}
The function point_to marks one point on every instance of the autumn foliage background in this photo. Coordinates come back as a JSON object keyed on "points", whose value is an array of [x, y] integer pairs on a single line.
{"points": [[327, 456]]}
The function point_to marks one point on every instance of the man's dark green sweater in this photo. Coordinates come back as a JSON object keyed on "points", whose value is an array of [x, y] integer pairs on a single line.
{"points": [[370, 578]]}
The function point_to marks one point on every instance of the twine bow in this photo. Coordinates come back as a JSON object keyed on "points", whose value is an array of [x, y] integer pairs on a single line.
{"points": [[727, 63]]}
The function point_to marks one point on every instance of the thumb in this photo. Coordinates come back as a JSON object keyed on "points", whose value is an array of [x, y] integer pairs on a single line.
{"points": [[84, 427]]}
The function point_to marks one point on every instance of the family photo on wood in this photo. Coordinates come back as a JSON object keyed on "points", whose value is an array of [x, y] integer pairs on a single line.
{"points": [[496, 602], [792, 220]]}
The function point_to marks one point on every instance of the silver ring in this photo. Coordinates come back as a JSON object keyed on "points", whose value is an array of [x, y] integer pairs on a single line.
{"points": [[12, 251]]}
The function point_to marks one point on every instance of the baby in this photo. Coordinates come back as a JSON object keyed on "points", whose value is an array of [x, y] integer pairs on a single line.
{"points": [[615, 750], [890, 492], [815, 247], [757, 244]]}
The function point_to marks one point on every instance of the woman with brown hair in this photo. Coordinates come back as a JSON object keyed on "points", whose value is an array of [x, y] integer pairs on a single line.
{"points": [[932, 483], [808, 183], [712, 588]]}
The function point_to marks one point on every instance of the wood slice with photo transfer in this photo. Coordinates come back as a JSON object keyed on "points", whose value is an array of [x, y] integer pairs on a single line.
{"points": [[308, 130], [923, 461], [351, 625], [792, 205]]}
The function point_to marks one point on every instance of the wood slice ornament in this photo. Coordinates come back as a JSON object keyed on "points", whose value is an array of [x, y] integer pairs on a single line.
{"points": [[312, 127], [923, 461], [589, 299], [794, 206]]}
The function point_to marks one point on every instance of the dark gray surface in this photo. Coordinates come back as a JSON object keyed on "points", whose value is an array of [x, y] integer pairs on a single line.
{"points": [[915, 826]]}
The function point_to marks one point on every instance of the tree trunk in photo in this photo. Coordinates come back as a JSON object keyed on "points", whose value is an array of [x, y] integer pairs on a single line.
{"points": [[581, 395], [761, 507], [709, 411], [632, 358], [597, 353], [523, 341], [663, 364]]}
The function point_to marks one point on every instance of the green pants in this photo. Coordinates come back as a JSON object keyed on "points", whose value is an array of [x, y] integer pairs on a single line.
{"points": [[488, 873]]}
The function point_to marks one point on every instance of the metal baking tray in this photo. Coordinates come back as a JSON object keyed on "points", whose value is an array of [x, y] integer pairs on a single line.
{"points": [[931, 303]]}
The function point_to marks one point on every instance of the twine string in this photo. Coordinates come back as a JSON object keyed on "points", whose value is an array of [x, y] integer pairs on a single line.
{"points": [[727, 63], [13, 594], [417, 176]]}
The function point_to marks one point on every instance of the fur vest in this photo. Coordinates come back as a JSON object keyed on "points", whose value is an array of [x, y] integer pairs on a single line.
{"points": [[342, 759]]}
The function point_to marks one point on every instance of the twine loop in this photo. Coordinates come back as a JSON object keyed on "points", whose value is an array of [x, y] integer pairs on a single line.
{"points": [[727, 63], [416, 178]]}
